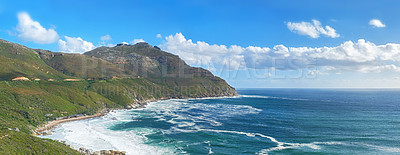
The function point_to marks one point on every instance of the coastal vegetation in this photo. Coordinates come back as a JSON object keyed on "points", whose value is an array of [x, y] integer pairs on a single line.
{"points": [[37, 86]]}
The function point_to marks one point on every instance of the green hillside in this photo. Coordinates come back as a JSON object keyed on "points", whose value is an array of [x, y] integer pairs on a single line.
{"points": [[83, 66], [17, 60], [104, 83]]}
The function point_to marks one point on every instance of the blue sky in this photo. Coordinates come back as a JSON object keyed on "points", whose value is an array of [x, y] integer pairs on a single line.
{"points": [[241, 24]]}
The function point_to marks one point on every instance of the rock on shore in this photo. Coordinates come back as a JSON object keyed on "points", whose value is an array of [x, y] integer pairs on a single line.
{"points": [[102, 152]]}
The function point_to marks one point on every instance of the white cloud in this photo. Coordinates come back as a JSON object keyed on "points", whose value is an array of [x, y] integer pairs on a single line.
{"points": [[360, 56], [105, 38], [202, 53], [314, 29], [135, 41], [376, 23], [29, 30], [74, 45], [105, 41], [159, 36]]}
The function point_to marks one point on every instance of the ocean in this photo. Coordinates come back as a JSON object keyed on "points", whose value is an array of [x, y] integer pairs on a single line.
{"points": [[259, 121]]}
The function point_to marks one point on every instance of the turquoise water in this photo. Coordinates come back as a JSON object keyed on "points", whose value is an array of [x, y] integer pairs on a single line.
{"points": [[276, 121], [264, 121]]}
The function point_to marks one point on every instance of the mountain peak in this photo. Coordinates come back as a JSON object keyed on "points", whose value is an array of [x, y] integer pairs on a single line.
{"points": [[142, 44], [123, 44]]}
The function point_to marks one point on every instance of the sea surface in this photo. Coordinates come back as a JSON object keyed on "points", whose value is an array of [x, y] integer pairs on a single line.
{"points": [[259, 121]]}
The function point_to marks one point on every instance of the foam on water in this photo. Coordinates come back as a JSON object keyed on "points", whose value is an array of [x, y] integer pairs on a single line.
{"points": [[280, 145], [181, 116], [175, 108], [209, 113], [95, 134], [376, 147]]}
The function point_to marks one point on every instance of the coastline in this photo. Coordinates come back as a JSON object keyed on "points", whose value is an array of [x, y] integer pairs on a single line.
{"points": [[50, 125], [44, 129], [140, 104]]}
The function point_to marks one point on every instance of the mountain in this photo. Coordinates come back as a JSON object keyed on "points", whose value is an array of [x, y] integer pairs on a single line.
{"points": [[39, 85], [162, 68], [82, 66], [17, 60]]}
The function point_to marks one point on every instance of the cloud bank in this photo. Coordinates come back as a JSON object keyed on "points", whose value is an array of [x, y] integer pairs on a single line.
{"points": [[360, 56], [74, 45], [30, 30], [314, 29]]}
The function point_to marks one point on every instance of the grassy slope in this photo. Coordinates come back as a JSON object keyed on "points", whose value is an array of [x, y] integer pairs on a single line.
{"points": [[82, 66], [17, 60], [25, 104], [22, 143]]}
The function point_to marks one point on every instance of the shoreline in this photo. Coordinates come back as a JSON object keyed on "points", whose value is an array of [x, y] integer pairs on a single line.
{"points": [[52, 124], [140, 104], [44, 129]]}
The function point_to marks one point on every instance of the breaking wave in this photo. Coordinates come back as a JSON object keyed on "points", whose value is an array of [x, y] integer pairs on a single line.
{"points": [[114, 131]]}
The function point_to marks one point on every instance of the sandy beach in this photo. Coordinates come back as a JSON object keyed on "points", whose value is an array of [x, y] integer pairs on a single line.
{"points": [[52, 124]]}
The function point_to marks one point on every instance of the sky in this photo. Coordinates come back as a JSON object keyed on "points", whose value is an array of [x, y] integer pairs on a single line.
{"points": [[251, 44]]}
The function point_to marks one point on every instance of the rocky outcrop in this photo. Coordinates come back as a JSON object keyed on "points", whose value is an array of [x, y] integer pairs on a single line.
{"points": [[20, 79]]}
